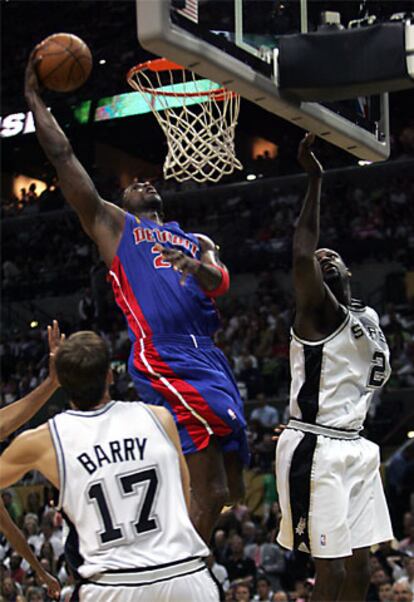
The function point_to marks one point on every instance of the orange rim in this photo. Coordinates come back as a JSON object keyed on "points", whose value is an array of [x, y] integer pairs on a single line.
{"points": [[160, 65]]}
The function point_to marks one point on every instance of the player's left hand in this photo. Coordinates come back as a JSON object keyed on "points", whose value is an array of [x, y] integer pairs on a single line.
{"points": [[179, 261], [278, 430], [51, 583], [55, 338], [306, 157]]}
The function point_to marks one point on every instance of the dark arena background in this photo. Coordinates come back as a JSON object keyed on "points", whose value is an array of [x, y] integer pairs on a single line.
{"points": [[51, 270]]}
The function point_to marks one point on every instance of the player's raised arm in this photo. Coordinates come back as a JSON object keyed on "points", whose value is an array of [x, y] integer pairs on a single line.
{"points": [[313, 299], [18, 413], [101, 220], [309, 287]]}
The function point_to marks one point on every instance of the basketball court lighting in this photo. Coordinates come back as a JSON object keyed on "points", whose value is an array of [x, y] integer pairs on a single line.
{"points": [[102, 62], [34, 324], [251, 176], [410, 435]]}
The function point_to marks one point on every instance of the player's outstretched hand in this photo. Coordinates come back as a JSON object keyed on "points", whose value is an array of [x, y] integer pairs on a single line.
{"points": [[306, 157], [278, 430], [31, 81], [180, 261], [55, 338]]}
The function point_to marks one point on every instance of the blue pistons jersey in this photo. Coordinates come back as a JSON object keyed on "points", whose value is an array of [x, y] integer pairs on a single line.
{"points": [[151, 288], [173, 360]]}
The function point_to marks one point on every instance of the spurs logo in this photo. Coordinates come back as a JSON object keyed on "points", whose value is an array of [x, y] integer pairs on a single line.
{"points": [[301, 526]]}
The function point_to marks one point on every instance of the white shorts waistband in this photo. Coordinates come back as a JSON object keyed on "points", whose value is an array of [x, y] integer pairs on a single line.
{"points": [[319, 429], [131, 577]]}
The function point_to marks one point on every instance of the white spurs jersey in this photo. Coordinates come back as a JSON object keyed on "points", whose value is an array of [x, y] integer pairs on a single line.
{"points": [[333, 380], [120, 487]]}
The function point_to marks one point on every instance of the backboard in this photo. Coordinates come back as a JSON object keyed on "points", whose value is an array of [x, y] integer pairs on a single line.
{"points": [[235, 43]]}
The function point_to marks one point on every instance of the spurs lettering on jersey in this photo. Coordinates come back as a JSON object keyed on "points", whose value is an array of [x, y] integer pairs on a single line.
{"points": [[333, 380], [380, 370]]}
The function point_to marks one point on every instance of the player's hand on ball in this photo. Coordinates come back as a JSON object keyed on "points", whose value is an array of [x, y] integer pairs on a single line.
{"points": [[31, 82], [306, 158], [179, 261]]}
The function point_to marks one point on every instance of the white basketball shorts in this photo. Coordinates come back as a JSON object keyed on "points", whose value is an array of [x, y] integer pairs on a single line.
{"points": [[196, 587], [330, 494]]}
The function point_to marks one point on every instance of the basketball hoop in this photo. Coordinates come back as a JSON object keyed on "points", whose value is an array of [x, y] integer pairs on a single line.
{"points": [[197, 116]]}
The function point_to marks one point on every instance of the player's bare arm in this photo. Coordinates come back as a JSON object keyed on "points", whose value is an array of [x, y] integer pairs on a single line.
{"points": [[32, 450], [18, 413], [102, 221], [18, 542], [210, 273], [316, 307], [168, 423]]}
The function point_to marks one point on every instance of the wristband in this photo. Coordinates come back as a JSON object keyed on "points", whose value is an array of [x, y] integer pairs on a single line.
{"points": [[224, 285]]}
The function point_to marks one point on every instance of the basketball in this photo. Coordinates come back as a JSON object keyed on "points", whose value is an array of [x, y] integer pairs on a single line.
{"points": [[65, 62]]}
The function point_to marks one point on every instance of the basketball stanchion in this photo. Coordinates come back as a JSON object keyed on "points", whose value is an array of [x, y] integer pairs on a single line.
{"points": [[197, 116]]}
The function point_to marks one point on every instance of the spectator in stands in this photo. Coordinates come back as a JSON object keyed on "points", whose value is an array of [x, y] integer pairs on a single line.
{"points": [[280, 596], [378, 577], [406, 572], [249, 373], [267, 415], [16, 571], [402, 592], [238, 565], [264, 592], [242, 592], [268, 558], [36, 594], [303, 589], [385, 592], [406, 371], [407, 544], [220, 546], [10, 589], [399, 472]]}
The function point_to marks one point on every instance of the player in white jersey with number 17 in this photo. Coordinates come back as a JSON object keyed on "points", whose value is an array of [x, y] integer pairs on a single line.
{"points": [[330, 491], [123, 483]]}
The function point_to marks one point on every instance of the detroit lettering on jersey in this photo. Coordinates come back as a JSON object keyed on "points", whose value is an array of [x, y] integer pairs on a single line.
{"points": [[154, 235], [124, 450], [149, 291]]}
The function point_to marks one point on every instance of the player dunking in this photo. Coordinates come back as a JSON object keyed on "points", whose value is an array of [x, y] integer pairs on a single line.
{"points": [[123, 485], [330, 491], [173, 360]]}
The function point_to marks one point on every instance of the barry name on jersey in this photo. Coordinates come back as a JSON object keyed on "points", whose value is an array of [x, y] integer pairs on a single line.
{"points": [[124, 450]]}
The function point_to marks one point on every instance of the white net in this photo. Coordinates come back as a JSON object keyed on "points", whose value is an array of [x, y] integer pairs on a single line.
{"points": [[198, 119]]}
